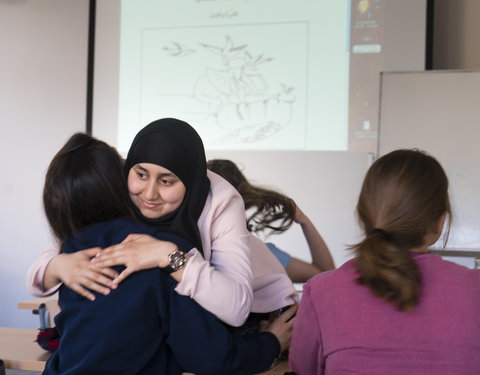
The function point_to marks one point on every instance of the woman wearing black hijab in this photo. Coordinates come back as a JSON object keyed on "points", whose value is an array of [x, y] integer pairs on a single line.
{"points": [[161, 143], [217, 272]]}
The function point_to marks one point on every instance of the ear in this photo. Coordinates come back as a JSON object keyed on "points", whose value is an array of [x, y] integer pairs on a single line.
{"points": [[438, 228], [436, 231]]}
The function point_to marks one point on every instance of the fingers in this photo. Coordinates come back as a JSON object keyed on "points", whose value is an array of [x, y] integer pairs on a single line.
{"points": [[109, 272], [83, 292], [87, 281], [86, 287], [131, 237], [94, 251], [95, 285], [112, 249], [111, 259], [289, 314], [122, 276]]}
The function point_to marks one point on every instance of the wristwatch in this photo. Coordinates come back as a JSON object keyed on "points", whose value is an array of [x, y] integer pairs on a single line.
{"points": [[176, 261]]}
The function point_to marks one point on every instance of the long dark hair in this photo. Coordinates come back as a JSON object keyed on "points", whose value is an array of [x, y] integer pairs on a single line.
{"points": [[270, 210], [403, 197], [84, 185]]}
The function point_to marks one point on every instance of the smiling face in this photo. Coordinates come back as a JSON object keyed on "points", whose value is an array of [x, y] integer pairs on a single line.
{"points": [[155, 190]]}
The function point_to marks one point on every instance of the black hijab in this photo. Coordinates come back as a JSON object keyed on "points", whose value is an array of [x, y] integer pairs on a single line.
{"points": [[175, 145]]}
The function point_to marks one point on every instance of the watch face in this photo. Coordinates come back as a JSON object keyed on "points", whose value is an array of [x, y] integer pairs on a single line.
{"points": [[177, 259]]}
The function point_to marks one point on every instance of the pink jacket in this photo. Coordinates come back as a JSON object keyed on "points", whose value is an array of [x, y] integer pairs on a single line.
{"points": [[222, 280]]}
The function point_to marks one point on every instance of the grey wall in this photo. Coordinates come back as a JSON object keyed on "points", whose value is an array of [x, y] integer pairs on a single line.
{"points": [[42, 101]]}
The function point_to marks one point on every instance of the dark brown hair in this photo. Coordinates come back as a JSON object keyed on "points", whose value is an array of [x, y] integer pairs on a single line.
{"points": [[84, 185], [270, 210], [403, 197]]}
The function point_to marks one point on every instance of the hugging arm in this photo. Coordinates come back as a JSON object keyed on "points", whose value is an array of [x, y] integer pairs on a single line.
{"points": [[222, 287], [52, 268], [223, 284], [221, 279], [204, 346]]}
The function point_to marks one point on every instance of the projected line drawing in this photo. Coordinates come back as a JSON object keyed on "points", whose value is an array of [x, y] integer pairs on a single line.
{"points": [[237, 94], [178, 49], [236, 87]]}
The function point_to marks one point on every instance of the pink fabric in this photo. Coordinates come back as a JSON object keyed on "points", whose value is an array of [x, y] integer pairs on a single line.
{"points": [[272, 288], [36, 272], [222, 279], [342, 328]]}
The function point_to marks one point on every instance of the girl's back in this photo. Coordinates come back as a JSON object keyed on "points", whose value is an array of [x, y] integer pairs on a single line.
{"points": [[363, 334]]}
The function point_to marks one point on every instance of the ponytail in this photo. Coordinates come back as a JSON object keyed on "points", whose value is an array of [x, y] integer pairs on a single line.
{"points": [[389, 272]]}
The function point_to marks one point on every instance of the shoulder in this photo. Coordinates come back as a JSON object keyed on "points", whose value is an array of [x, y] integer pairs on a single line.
{"points": [[220, 188], [222, 196], [342, 275], [223, 216], [104, 234], [435, 263]]}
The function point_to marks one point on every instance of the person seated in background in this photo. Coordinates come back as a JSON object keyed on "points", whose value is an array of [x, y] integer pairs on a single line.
{"points": [[270, 211], [393, 308], [143, 326]]}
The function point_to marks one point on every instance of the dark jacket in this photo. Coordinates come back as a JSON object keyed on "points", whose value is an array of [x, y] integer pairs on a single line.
{"points": [[145, 327]]}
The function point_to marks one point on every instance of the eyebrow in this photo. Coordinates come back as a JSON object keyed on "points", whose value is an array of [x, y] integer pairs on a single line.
{"points": [[169, 174]]}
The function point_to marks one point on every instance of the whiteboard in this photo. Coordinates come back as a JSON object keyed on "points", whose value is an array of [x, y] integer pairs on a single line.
{"points": [[439, 112]]}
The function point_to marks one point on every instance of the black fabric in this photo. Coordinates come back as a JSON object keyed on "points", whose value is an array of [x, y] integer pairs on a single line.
{"points": [[175, 145], [144, 327]]}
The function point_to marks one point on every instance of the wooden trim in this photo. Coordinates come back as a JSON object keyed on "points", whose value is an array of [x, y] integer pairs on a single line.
{"points": [[19, 351]]}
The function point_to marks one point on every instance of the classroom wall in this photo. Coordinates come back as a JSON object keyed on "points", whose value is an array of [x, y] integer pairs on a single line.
{"points": [[42, 102], [324, 184]]}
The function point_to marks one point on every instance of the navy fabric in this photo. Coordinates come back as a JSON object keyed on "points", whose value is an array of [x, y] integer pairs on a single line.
{"points": [[145, 327]]}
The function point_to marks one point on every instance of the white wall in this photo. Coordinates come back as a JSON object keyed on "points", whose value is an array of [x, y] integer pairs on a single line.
{"points": [[324, 184], [42, 102]]}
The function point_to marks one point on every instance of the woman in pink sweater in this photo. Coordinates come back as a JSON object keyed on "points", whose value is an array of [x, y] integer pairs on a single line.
{"points": [[394, 308], [171, 189]]}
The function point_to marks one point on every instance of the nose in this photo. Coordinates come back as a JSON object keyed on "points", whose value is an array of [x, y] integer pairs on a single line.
{"points": [[151, 190]]}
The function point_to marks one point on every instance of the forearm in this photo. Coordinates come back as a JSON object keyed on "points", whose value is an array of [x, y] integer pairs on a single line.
{"points": [[319, 251], [224, 292], [217, 351], [51, 276], [35, 279]]}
